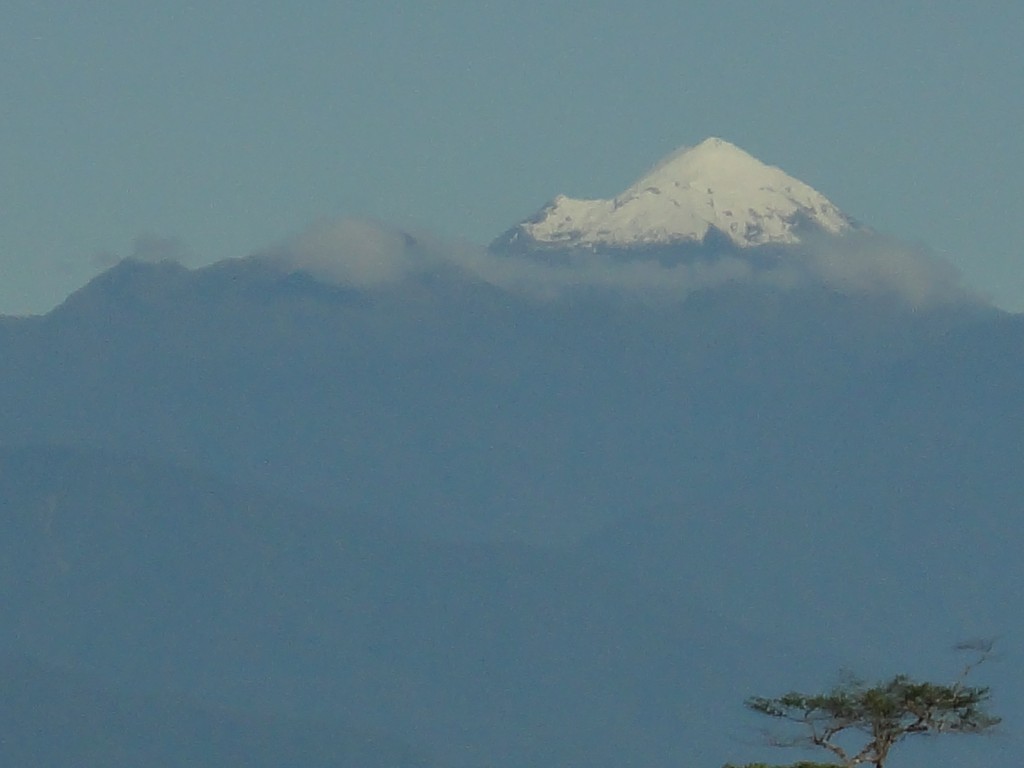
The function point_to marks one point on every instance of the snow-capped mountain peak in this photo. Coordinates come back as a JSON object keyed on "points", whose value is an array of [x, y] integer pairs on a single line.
{"points": [[713, 185]]}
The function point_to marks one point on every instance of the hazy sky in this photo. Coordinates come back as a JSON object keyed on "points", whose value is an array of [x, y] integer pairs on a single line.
{"points": [[232, 125]]}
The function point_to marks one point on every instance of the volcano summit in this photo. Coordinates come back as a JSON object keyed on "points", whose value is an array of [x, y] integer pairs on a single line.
{"points": [[693, 192]]}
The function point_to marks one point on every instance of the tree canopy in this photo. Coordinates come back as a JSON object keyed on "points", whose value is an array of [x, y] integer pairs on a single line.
{"points": [[859, 723]]}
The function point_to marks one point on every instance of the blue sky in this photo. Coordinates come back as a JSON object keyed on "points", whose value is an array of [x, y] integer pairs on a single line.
{"points": [[231, 125]]}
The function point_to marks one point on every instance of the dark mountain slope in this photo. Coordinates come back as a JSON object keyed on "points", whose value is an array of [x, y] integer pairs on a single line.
{"points": [[505, 415], [750, 488]]}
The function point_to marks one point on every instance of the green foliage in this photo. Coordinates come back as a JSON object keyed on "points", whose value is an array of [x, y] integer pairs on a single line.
{"points": [[884, 714]]}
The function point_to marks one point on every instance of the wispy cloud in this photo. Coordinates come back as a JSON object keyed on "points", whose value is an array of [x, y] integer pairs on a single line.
{"points": [[351, 252], [148, 248], [363, 254], [871, 263]]}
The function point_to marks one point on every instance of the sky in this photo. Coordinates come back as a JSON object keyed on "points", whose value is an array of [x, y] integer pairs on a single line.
{"points": [[215, 130]]}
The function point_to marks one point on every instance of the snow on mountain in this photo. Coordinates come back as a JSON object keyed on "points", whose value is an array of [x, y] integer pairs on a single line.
{"points": [[714, 185]]}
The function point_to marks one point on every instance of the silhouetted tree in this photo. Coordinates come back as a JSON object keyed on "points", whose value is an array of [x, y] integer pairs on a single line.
{"points": [[882, 714]]}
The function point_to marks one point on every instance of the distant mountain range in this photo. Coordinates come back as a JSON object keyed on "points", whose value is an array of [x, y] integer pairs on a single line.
{"points": [[567, 502]]}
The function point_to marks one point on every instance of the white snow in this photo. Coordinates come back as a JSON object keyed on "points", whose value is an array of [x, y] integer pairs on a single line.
{"points": [[714, 184]]}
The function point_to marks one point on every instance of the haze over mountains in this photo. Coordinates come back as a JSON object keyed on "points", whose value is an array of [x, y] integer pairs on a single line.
{"points": [[564, 501]]}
